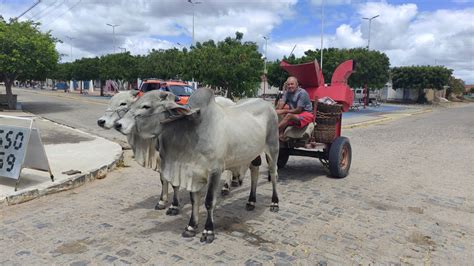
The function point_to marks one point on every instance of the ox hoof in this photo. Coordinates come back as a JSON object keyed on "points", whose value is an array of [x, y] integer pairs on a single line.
{"points": [[250, 206], [160, 206], [189, 232], [207, 236], [225, 192], [172, 211], [274, 207]]}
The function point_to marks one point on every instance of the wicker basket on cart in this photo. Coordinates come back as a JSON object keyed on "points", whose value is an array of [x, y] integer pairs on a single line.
{"points": [[327, 117]]}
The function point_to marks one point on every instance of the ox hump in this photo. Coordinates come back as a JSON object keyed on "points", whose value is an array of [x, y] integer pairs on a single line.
{"points": [[201, 98]]}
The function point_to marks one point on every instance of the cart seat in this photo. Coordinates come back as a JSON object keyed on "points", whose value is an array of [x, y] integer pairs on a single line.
{"points": [[299, 133]]}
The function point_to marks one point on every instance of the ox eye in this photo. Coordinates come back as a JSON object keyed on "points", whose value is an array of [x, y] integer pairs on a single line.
{"points": [[123, 104], [146, 107]]}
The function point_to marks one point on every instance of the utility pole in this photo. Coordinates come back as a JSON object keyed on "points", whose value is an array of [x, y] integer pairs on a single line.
{"points": [[322, 32], [26, 11], [70, 44], [265, 67], [113, 31], [370, 22], [366, 90], [193, 3]]}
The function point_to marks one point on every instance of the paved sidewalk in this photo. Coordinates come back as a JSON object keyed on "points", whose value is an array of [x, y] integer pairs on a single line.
{"points": [[66, 149]]}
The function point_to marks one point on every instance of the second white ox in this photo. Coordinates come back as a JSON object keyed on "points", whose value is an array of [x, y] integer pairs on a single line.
{"points": [[200, 142], [145, 151]]}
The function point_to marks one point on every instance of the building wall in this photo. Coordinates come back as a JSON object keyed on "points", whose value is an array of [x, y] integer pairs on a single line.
{"points": [[264, 86]]}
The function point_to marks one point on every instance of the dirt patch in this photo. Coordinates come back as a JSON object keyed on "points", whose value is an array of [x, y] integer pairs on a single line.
{"points": [[75, 247], [58, 137], [416, 210], [232, 224], [420, 239]]}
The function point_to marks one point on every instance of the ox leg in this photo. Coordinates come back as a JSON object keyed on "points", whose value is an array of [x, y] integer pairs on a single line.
{"points": [[161, 205], [236, 179], [174, 208], [190, 230], [273, 171], [227, 181], [208, 234], [253, 183]]}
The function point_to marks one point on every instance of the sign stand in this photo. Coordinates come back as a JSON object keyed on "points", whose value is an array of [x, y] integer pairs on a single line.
{"points": [[21, 147]]}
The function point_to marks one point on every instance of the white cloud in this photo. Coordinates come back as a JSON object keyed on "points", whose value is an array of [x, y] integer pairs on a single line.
{"points": [[407, 36], [330, 2], [145, 25]]}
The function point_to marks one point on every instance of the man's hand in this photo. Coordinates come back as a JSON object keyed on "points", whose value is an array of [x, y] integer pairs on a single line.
{"points": [[281, 111]]}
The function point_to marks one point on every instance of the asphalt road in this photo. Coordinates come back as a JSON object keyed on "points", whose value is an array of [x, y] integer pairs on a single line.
{"points": [[408, 200], [68, 109]]}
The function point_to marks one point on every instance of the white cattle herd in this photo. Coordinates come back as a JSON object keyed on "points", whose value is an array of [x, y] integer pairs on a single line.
{"points": [[192, 145]]}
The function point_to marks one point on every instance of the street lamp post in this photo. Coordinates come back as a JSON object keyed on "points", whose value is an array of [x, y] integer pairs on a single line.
{"points": [[124, 50], [113, 31], [194, 3], [70, 44], [370, 22], [265, 66]]}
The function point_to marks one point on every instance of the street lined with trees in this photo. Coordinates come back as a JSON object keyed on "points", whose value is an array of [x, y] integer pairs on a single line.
{"points": [[232, 66]]}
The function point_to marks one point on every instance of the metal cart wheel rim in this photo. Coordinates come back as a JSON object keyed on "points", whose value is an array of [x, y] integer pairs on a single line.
{"points": [[344, 157]]}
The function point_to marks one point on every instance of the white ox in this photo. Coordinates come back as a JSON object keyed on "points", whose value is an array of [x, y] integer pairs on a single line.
{"points": [[197, 144], [145, 150]]}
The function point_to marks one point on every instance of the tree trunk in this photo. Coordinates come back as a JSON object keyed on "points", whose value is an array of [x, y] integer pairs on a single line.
{"points": [[8, 89], [102, 84]]}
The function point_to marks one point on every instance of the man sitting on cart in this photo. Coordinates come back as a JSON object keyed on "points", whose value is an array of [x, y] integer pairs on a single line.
{"points": [[300, 109]]}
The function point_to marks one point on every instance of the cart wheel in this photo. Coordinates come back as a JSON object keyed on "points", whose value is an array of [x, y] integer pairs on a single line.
{"points": [[340, 157], [283, 157]]}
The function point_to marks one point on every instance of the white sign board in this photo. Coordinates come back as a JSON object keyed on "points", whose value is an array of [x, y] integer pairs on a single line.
{"points": [[21, 147], [13, 142]]}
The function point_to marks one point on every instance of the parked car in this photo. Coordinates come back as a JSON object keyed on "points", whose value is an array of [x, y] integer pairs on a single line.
{"points": [[181, 89]]}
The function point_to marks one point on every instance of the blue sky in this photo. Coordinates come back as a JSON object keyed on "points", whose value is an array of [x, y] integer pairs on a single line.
{"points": [[409, 32]]}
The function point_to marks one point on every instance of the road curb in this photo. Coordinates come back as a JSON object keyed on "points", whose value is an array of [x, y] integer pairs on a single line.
{"points": [[67, 184]]}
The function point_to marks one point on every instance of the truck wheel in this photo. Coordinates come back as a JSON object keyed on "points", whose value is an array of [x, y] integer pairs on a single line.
{"points": [[340, 157], [283, 157]]}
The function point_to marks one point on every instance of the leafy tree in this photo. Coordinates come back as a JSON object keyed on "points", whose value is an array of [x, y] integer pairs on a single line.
{"points": [[122, 67], [164, 64], [456, 86], [25, 53], [276, 76], [86, 69], [62, 71], [420, 78], [372, 67], [231, 65]]}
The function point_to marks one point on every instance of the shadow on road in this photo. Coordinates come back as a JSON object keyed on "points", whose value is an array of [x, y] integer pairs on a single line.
{"points": [[302, 170], [45, 107]]}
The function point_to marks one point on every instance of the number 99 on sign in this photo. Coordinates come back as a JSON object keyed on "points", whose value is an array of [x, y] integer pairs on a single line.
{"points": [[11, 143]]}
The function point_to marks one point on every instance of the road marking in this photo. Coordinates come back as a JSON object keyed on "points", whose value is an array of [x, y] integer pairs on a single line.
{"points": [[385, 118]]}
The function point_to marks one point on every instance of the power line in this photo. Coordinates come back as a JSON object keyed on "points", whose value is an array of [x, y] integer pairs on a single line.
{"points": [[48, 10], [26, 11], [65, 12]]}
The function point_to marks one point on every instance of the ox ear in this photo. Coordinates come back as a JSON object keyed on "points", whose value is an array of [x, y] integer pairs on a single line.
{"points": [[177, 111], [167, 96]]}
